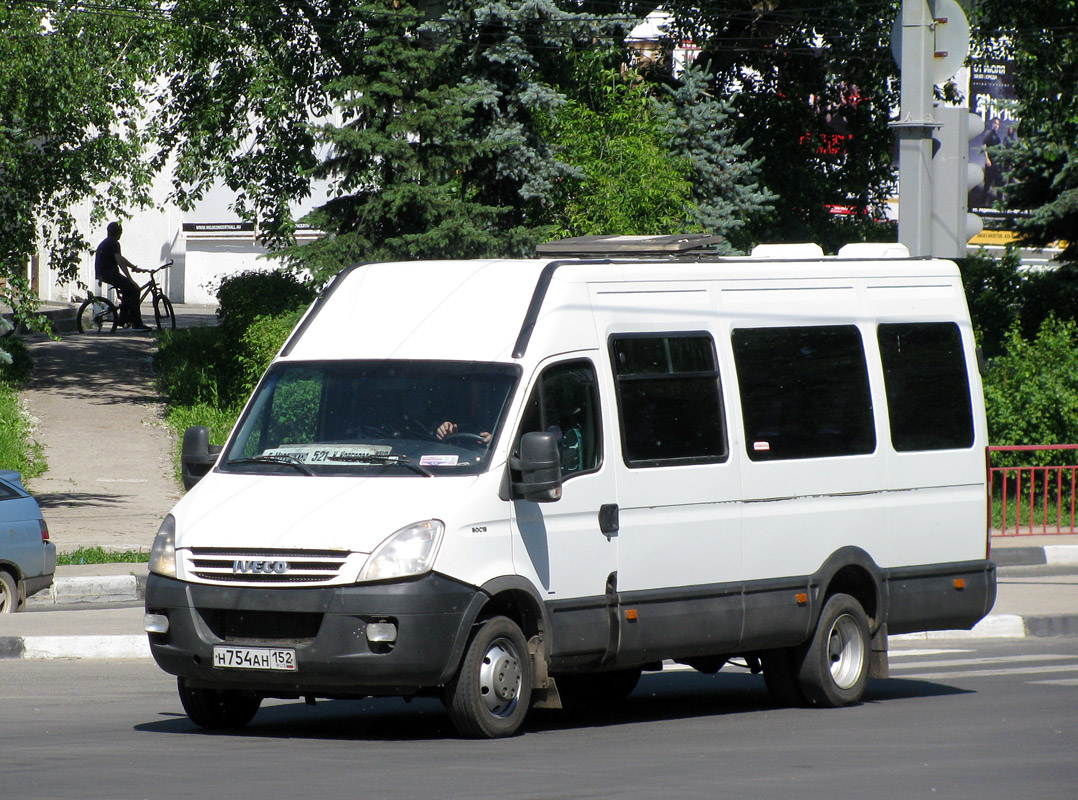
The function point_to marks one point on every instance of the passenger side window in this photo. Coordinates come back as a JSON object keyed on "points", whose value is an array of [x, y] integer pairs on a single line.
{"points": [[804, 392], [669, 399], [565, 402], [924, 372]]}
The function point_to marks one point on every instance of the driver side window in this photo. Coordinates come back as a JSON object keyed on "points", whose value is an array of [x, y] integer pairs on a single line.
{"points": [[565, 402]]}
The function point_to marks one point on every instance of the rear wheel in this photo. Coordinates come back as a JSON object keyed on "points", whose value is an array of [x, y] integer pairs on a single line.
{"points": [[163, 313], [218, 709], [9, 593], [97, 315], [490, 695], [834, 668]]}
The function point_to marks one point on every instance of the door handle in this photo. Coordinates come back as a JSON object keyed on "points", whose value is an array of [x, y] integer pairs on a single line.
{"points": [[608, 520]]}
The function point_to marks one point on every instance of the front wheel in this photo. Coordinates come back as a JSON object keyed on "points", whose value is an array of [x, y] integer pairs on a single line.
{"points": [[834, 668], [163, 313], [218, 710], [490, 695], [97, 315]]}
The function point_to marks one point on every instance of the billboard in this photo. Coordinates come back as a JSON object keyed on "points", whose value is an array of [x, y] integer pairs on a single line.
{"points": [[991, 96]]}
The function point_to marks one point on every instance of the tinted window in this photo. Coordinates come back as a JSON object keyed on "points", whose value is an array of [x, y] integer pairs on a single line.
{"points": [[804, 392], [565, 402], [669, 399], [924, 371]]}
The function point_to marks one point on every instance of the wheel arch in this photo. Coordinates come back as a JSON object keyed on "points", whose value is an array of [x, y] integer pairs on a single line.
{"points": [[852, 571], [509, 596]]}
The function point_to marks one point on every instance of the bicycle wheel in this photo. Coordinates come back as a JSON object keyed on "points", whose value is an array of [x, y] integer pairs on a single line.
{"points": [[97, 315], [163, 313]]}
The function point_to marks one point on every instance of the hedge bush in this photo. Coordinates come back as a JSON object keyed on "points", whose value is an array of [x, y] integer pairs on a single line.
{"points": [[1031, 391], [207, 374]]}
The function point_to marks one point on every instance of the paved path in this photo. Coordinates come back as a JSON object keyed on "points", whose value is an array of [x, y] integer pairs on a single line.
{"points": [[111, 478]]}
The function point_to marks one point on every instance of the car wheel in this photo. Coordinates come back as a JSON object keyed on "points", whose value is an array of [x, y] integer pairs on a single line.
{"points": [[218, 709], [9, 593], [490, 695], [834, 668]]}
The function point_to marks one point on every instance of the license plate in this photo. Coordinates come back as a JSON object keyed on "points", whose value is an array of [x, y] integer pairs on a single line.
{"points": [[278, 658]]}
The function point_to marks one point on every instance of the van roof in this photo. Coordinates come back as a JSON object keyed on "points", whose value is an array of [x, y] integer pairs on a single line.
{"points": [[486, 310]]}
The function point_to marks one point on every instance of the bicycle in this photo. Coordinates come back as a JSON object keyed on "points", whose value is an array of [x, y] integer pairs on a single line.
{"points": [[98, 314]]}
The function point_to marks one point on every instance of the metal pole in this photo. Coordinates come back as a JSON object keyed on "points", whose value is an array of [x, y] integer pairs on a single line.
{"points": [[915, 127]]}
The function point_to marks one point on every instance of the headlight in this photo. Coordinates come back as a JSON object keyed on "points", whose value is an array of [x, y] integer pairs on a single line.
{"points": [[409, 551], [163, 552]]}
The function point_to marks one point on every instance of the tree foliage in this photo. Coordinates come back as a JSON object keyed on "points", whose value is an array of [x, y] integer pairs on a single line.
{"points": [[626, 180], [74, 86], [725, 193], [813, 91], [1042, 166], [1031, 391]]}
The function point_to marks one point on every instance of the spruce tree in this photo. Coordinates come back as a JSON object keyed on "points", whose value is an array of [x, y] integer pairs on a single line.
{"points": [[724, 178]]}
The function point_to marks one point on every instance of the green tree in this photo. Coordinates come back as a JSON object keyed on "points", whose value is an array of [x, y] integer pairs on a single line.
{"points": [[1042, 167], [1031, 391], [813, 92], [74, 84], [426, 116], [627, 181], [698, 127]]}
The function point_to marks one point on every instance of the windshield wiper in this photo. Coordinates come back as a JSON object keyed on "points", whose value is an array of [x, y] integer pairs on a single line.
{"points": [[383, 458], [290, 461]]}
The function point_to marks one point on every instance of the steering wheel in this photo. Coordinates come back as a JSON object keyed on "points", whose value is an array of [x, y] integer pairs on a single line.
{"points": [[472, 438]]}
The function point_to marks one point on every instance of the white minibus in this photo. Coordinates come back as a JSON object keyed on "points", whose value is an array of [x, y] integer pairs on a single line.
{"points": [[511, 483]]}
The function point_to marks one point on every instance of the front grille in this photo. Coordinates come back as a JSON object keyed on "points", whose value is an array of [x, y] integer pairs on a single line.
{"points": [[232, 625], [265, 567]]}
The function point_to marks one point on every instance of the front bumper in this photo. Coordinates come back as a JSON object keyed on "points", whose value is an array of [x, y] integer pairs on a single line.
{"points": [[326, 627]]}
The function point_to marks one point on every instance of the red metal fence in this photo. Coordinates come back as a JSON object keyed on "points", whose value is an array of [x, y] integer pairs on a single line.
{"points": [[1031, 500]]}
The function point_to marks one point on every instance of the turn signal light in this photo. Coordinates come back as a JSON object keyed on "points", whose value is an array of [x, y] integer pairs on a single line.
{"points": [[802, 598], [959, 583]]}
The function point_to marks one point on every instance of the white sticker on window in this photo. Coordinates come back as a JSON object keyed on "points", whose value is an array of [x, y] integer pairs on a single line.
{"points": [[438, 461], [761, 446]]}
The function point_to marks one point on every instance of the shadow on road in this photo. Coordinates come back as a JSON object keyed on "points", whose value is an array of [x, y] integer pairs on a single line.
{"points": [[658, 698]]}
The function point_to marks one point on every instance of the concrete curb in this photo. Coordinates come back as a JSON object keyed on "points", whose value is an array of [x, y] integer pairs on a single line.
{"points": [[1062, 555], [91, 589]]}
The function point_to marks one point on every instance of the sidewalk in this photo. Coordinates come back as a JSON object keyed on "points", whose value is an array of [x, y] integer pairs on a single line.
{"points": [[111, 478]]}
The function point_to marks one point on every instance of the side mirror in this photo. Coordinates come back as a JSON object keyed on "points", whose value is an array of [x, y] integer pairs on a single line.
{"points": [[539, 466], [197, 456]]}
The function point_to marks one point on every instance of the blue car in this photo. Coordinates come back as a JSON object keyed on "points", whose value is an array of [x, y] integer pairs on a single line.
{"points": [[27, 557]]}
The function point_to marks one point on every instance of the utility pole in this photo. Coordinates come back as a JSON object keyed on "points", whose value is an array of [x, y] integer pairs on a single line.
{"points": [[915, 126]]}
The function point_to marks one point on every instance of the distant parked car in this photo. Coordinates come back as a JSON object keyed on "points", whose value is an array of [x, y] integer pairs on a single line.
{"points": [[27, 557]]}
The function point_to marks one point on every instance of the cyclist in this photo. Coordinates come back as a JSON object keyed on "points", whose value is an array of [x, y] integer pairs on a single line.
{"points": [[111, 267]]}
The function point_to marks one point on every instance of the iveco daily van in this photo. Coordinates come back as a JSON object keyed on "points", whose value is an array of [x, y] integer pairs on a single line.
{"points": [[520, 482]]}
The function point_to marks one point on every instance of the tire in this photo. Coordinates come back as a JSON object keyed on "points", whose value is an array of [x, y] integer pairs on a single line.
{"points": [[218, 710], [597, 690], [163, 313], [9, 593], [97, 315], [780, 675], [834, 667], [490, 695]]}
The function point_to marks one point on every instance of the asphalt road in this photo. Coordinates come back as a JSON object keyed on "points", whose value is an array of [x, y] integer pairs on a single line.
{"points": [[957, 720]]}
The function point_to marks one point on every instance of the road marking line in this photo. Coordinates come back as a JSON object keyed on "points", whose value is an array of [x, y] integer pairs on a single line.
{"points": [[1060, 682], [989, 673], [967, 662], [924, 652]]}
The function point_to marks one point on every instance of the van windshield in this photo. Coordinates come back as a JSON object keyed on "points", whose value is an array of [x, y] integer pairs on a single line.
{"points": [[418, 418]]}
